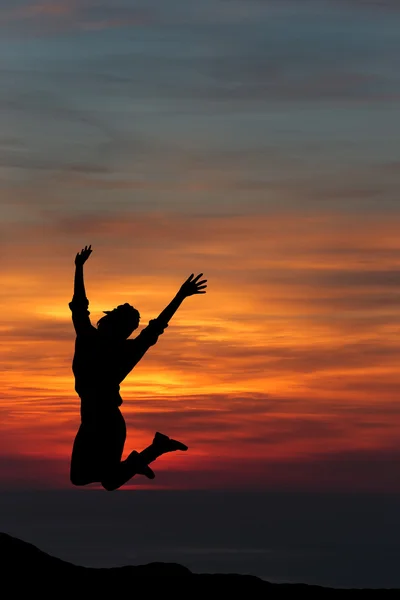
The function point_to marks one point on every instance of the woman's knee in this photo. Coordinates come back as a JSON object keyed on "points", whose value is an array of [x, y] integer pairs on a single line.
{"points": [[79, 477], [109, 486], [77, 480]]}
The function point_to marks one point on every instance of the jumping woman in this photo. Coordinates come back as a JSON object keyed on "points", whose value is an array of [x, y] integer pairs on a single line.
{"points": [[103, 357]]}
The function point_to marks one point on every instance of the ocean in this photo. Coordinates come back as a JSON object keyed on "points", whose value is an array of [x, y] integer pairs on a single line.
{"points": [[335, 540]]}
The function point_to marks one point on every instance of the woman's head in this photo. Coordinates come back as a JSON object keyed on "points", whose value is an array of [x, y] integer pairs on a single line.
{"points": [[120, 322]]}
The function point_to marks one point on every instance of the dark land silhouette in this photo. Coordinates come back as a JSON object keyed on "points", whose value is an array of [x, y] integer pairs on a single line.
{"points": [[103, 358], [26, 567]]}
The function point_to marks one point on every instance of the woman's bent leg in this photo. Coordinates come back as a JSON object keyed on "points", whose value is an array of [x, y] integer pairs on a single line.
{"points": [[82, 470], [138, 463], [98, 447]]}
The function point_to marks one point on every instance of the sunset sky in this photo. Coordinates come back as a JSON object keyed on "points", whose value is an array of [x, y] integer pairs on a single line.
{"points": [[257, 142]]}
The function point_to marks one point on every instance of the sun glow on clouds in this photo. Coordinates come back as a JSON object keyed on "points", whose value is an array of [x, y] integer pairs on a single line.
{"points": [[289, 356], [234, 138]]}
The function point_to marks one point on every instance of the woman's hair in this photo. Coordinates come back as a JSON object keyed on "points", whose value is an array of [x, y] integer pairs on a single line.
{"points": [[120, 321]]}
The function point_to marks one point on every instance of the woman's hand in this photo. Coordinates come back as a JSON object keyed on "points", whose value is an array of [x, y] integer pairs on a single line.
{"points": [[83, 255], [193, 286]]}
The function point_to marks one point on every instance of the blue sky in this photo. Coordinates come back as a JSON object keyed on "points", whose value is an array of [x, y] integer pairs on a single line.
{"points": [[222, 107]]}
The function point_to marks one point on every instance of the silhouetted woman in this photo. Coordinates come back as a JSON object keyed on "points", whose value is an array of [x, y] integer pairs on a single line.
{"points": [[103, 357]]}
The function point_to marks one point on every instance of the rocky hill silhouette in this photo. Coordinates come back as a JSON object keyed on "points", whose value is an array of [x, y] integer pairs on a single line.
{"points": [[26, 567]]}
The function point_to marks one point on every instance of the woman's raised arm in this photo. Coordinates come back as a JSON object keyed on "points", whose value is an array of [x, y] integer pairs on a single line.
{"points": [[79, 284], [190, 287]]}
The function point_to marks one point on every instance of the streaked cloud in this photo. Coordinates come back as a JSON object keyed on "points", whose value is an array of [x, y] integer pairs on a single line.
{"points": [[292, 352], [67, 16], [241, 140]]}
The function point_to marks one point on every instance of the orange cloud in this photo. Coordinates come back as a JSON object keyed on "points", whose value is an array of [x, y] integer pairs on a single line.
{"points": [[292, 355]]}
